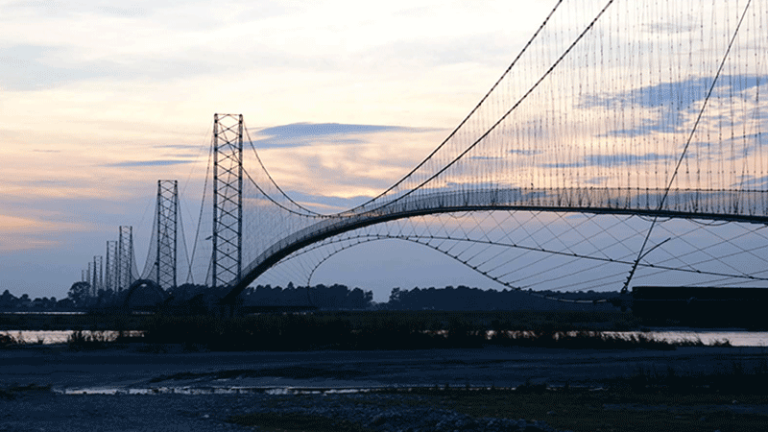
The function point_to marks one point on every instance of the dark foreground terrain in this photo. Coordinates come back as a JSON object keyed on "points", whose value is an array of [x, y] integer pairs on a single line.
{"points": [[142, 387]]}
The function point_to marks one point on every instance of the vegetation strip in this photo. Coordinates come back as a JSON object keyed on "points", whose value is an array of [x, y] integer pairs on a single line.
{"points": [[578, 409], [368, 331]]}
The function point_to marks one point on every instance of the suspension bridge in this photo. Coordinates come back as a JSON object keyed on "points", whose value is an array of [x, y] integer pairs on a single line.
{"points": [[623, 145]]}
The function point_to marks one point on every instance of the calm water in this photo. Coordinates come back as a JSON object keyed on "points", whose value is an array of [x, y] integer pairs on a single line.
{"points": [[736, 338], [47, 337]]}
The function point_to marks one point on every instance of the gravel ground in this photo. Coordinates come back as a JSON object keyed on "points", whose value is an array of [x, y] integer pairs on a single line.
{"points": [[130, 389], [48, 411]]}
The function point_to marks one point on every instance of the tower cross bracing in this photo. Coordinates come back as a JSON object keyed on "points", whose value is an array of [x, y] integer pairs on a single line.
{"points": [[227, 236], [167, 231]]}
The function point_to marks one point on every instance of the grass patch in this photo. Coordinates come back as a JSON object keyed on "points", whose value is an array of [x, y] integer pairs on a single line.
{"points": [[585, 410], [736, 378], [10, 341], [83, 340], [276, 422]]}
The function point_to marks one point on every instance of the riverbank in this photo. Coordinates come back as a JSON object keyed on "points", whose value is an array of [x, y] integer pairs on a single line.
{"points": [[152, 366], [135, 387]]}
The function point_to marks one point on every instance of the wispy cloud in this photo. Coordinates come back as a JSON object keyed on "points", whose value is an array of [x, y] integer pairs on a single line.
{"points": [[178, 146], [325, 161], [25, 233], [304, 134], [148, 163], [669, 102], [606, 160], [751, 182], [525, 152], [596, 180], [485, 158], [669, 28], [327, 204]]}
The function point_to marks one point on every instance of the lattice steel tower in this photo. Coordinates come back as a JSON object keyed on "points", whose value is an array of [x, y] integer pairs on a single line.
{"points": [[110, 268], [89, 274], [125, 258], [227, 198], [98, 274], [167, 217]]}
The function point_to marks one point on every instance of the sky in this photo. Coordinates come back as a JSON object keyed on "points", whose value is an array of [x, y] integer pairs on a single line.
{"points": [[99, 100]]}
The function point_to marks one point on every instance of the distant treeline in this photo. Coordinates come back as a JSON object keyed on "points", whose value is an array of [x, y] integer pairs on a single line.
{"points": [[321, 296], [465, 298], [9, 302], [191, 298]]}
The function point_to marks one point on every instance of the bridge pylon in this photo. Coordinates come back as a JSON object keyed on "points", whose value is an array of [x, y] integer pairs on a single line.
{"points": [[227, 199], [98, 275], [125, 258], [110, 266], [89, 274], [167, 224]]}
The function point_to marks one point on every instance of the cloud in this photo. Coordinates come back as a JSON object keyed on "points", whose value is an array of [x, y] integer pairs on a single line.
{"points": [[485, 158], [525, 152], [148, 163], [24, 68], [25, 233], [327, 204], [16, 224], [328, 165], [612, 160], [28, 67], [596, 180], [669, 27], [305, 134], [667, 102], [178, 146], [751, 182]]}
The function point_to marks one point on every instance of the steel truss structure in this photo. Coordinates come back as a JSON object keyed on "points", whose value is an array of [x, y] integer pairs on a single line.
{"points": [[167, 223], [110, 268], [88, 273], [227, 199], [98, 275], [125, 258]]}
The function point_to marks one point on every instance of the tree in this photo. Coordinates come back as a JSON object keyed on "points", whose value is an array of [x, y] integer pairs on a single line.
{"points": [[79, 293], [8, 300]]}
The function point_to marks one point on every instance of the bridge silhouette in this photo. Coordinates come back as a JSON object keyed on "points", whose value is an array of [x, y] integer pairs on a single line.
{"points": [[623, 142]]}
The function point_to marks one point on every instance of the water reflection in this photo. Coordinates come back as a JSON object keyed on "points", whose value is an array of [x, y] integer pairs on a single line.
{"points": [[50, 337], [707, 337], [272, 391]]}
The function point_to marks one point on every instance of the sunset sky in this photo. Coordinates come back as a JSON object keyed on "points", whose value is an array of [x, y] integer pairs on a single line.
{"points": [[99, 100]]}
